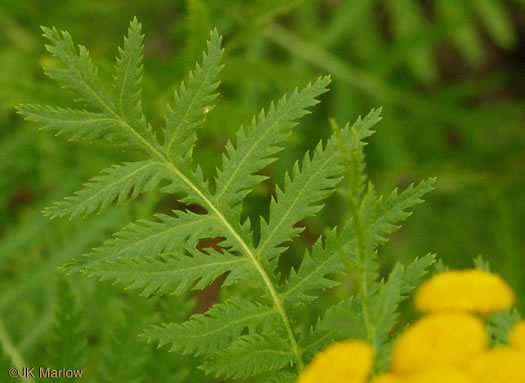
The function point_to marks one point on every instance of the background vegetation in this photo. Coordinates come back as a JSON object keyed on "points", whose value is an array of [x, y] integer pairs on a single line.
{"points": [[448, 73]]}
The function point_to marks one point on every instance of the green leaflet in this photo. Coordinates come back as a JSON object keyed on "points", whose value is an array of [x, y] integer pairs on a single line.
{"points": [[284, 377], [386, 302], [384, 314], [391, 293], [257, 145], [149, 237], [128, 77], [192, 102], [173, 273], [210, 333], [79, 74], [238, 338], [415, 272], [250, 355], [76, 124], [312, 273], [392, 209], [341, 321], [351, 148], [120, 182], [500, 324], [301, 197]]}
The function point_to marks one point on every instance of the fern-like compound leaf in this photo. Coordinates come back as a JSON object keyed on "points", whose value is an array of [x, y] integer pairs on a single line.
{"points": [[193, 101], [120, 182], [174, 273], [250, 355], [214, 331], [160, 256], [257, 146]]}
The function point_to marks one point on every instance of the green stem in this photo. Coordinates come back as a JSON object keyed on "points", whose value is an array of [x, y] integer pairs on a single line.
{"points": [[327, 61], [355, 199], [365, 81], [364, 270], [11, 350]]}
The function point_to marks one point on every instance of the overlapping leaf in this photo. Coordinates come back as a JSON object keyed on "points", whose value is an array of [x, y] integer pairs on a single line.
{"points": [[257, 145], [250, 355], [303, 193], [212, 332], [174, 273], [146, 238], [119, 182]]}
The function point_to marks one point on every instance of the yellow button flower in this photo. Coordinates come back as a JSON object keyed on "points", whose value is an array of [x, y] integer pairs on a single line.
{"points": [[471, 291], [442, 375], [438, 340], [517, 336], [389, 378], [501, 364], [346, 362]]}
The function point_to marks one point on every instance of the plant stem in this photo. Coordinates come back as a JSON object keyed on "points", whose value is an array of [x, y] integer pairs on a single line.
{"points": [[363, 80], [13, 353], [364, 268]]}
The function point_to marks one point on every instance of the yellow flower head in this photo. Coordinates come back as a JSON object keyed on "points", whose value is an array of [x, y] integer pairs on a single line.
{"points": [[438, 340], [346, 362], [470, 291], [517, 336], [501, 364], [442, 375], [389, 378]]}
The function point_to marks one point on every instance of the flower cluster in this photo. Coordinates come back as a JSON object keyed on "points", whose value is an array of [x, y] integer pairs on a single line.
{"points": [[448, 344]]}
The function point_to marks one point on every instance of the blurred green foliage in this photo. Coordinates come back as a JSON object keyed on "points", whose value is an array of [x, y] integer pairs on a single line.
{"points": [[448, 73]]}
